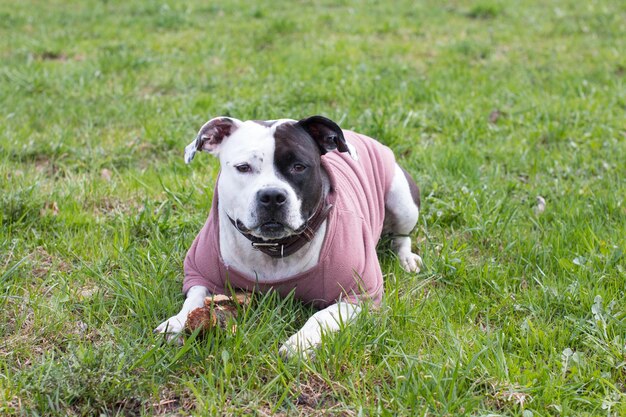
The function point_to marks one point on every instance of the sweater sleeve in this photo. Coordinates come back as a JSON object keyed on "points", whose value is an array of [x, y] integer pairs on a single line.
{"points": [[368, 280], [201, 264], [352, 271]]}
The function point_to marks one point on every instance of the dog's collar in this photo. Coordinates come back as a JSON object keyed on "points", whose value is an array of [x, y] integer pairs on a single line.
{"points": [[280, 248]]}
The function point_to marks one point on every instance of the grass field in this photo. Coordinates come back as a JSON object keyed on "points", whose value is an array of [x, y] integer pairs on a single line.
{"points": [[489, 104]]}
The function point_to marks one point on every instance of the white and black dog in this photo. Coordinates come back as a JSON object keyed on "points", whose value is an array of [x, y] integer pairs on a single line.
{"points": [[299, 206]]}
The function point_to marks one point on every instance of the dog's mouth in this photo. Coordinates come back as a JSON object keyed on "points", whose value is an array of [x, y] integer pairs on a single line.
{"points": [[270, 230], [274, 230]]}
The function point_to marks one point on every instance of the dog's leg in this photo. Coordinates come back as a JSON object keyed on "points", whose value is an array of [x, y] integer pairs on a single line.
{"points": [[175, 324], [401, 214], [331, 319]]}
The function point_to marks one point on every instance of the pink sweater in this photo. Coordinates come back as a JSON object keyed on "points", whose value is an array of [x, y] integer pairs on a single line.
{"points": [[348, 267]]}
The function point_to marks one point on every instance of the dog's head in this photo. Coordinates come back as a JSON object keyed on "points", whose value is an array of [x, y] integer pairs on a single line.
{"points": [[271, 181]]}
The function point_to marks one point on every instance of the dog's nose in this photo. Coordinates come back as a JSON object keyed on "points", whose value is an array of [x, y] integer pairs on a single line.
{"points": [[272, 197]]}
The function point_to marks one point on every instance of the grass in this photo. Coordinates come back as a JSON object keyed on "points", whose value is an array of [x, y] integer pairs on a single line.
{"points": [[488, 104]]}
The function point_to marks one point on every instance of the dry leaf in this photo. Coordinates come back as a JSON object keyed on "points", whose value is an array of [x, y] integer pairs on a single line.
{"points": [[51, 207], [105, 174], [495, 115], [541, 205]]}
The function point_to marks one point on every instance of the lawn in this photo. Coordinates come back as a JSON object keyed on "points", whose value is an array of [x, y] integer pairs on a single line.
{"points": [[520, 309]]}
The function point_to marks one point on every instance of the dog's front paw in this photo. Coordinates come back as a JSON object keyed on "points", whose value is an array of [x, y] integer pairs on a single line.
{"points": [[300, 345], [410, 261], [172, 327]]}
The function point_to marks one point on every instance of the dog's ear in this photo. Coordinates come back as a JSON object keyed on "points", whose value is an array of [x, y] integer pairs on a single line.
{"points": [[211, 135], [326, 133]]}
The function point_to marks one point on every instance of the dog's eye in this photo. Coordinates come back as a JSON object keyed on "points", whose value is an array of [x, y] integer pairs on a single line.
{"points": [[298, 168], [243, 168]]}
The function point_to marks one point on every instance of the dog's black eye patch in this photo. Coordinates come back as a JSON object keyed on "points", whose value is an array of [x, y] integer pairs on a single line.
{"points": [[298, 168], [297, 158]]}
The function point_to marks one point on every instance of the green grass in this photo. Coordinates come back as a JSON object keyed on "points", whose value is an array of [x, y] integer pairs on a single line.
{"points": [[488, 104]]}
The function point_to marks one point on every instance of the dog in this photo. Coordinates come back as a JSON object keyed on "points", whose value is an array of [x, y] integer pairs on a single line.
{"points": [[299, 206]]}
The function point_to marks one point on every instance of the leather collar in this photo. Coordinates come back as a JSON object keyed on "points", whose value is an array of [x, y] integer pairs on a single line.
{"points": [[280, 248]]}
